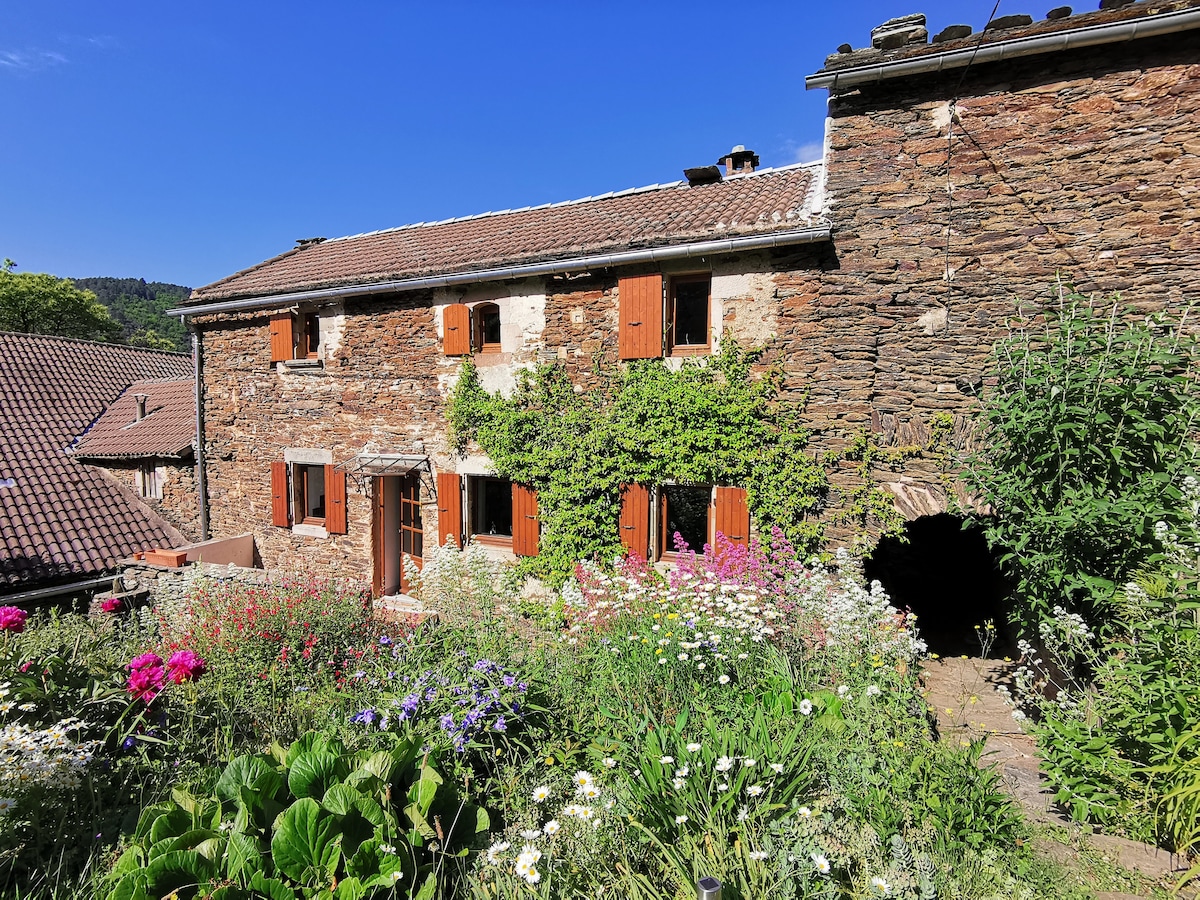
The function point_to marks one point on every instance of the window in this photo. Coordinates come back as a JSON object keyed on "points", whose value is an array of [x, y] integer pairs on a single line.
{"points": [[647, 319], [684, 510], [295, 336], [500, 512], [489, 503], [467, 330], [310, 339], [309, 494], [650, 517], [485, 325], [688, 327], [150, 482]]}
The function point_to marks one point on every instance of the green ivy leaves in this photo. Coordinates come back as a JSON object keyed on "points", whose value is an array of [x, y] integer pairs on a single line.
{"points": [[709, 421]]}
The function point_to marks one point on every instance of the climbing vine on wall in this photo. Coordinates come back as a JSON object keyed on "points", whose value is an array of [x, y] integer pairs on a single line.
{"points": [[716, 421]]}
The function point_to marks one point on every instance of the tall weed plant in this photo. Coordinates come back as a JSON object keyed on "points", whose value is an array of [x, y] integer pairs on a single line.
{"points": [[1088, 432]]}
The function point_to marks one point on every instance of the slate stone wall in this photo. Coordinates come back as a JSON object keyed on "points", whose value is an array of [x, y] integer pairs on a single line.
{"points": [[1085, 163]]}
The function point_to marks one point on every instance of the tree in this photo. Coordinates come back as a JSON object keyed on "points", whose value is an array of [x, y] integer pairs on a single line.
{"points": [[36, 303]]}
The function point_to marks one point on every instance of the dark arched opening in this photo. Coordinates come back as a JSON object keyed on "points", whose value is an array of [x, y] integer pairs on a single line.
{"points": [[947, 576]]}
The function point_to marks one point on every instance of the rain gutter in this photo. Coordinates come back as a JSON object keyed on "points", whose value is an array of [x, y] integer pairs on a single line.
{"points": [[57, 590], [558, 267], [1087, 36]]}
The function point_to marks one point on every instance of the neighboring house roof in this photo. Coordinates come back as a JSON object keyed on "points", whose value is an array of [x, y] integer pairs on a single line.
{"points": [[60, 518], [761, 202], [168, 428]]}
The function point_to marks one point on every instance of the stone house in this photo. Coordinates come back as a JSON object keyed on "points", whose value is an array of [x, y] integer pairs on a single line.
{"points": [[146, 439], [959, 177], [64, 524]]}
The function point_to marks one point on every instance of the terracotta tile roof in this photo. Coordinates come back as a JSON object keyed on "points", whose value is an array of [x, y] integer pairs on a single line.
{"points": [[661, 215], [168, 428], [60, 518]]}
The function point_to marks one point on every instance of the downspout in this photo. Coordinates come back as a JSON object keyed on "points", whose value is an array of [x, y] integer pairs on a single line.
{"points": [[201, 469]]}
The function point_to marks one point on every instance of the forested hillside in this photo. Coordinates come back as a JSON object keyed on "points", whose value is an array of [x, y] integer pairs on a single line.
{"points": [[138, 306]]}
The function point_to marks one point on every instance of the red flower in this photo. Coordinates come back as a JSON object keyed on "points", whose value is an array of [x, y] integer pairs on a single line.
{"points": [[112, 604]]}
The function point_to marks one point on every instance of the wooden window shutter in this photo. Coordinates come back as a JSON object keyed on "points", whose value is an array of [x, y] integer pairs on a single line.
{"points": [[525, 520], [282, 344], [641, 317], [449, 501], [635, 519], [279, 495], [733, 514], [456, 330], [335, 500]]}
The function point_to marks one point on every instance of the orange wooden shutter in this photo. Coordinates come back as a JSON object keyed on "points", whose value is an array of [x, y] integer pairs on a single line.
{"points": [[635, 519], [282, 346], [335, 500], [641, 317], [279, 495], [449, 501], [525, 520], [456, 330], [733, 515]]}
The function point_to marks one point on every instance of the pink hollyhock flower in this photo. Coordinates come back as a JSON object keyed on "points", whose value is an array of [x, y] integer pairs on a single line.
{"points": [[12, 618], [185, 666], [112, 604]]}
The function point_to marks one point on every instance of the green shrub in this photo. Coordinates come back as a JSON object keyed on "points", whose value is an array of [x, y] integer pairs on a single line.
{"points": [[1088, 434], [311, 821]]}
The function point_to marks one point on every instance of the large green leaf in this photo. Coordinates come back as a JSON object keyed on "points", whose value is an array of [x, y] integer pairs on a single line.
{"points": [[307, 843], [243, 857], [313, 773], [131, 887], [177, 869], [270, 888], [252, 772]]}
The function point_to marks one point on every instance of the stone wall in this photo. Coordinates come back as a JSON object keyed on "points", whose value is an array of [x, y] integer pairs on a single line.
{"points": [[383, 386], [945, 221]]}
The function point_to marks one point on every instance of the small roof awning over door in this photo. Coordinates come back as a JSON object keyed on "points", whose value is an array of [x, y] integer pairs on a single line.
{"points": [[369, 464]]}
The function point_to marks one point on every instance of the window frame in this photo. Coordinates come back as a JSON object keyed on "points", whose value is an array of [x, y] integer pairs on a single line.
{"points": [[150, 482], [478, 344], [664, 544], [473, 485], [300, 474], [673, 348], [309, 328]]}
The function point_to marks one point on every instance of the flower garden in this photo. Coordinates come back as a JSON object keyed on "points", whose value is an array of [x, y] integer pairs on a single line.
{"points": [[748, 716]]}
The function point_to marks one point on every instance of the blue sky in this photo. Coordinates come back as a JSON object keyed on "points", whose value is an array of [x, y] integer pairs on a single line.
{"points": [[183, 141]]}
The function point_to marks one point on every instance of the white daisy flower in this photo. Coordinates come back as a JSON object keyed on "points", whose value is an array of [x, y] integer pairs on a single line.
{"points": [[679, 820], [693, 748], [820, 863], [806, 707], [540, 793]]}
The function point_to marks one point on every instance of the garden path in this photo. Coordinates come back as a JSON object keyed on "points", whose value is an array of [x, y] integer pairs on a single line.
{"points": [[963, 692]]}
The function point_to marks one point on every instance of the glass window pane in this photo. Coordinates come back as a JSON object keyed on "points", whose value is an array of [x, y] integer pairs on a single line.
{"points": [[314, 495], [491, 506], [686, 514], [490, 325], [691, 313]]}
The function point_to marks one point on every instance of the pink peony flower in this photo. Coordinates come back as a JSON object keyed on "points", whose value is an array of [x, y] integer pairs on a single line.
{"points": [[12, 618], [185, 666], [112, 604], [146, 676]]}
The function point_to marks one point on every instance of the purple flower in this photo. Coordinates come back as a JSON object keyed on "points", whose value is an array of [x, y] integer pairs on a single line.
{"points": [[364, 717], [508, 680], [447, 722], [499, 726], [385, 641], [409, 704]]}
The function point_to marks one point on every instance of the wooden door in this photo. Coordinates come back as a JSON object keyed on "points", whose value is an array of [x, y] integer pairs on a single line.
{"points": [[412, 530]]}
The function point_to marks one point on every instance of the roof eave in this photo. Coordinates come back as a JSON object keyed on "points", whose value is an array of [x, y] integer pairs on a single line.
{"points": [[743, 243], [1154, 25]]}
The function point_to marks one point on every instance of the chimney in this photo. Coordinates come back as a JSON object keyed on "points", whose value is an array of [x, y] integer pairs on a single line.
{"points": [[739, 160], [141, 406]]}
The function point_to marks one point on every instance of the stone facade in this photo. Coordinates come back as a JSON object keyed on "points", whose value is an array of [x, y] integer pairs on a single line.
{"points": [[180, 501], [946, 217]]}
